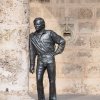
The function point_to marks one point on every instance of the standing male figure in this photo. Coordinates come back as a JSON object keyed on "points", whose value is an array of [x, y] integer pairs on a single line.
{"points": [[42, 44]]}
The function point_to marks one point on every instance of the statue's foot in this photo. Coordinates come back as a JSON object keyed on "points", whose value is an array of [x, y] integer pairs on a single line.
{"points": [[52, 98]]}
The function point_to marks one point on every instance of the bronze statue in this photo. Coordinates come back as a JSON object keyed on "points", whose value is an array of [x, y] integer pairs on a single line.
{"points": [[42, 44]]}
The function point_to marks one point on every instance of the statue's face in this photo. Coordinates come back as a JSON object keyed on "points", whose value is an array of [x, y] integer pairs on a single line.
{"points": [[38, 25]]}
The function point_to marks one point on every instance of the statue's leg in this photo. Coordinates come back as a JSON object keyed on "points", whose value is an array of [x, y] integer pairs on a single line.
{"points": [[39, 76], [51, 69]]}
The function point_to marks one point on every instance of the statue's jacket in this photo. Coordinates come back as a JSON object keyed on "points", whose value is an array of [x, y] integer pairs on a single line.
{"points": [[43, 45]]}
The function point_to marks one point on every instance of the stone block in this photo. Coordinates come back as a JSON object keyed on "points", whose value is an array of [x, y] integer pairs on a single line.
{"points": [[81, 56], [2, 14], [47, 13], [12, 8], [98, 1], [80, 13], [7, 3], [73, 70], [91, 86], [95, 42], [97, 27], [85, 13], [91, 1], [72, 85], [86, 33], [23, 17], [14, 46], [65, 85], [78, 41], [32, 85], [58, 12], [98, 13], [84, 53], [77, 53], [73, 12], [82, 41], [35, 11], [60, 1], [96, 55], [86, 27], [92, 70], [74, 1]]}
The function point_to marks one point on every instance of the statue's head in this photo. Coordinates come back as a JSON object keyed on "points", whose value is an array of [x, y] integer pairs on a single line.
{"points": [[39, 23]]}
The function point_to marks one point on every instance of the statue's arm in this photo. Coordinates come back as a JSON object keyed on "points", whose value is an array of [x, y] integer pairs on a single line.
{"points": [[32, 54], [60, 41]]}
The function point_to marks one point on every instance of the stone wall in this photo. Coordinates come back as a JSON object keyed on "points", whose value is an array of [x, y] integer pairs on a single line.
{"points": [[78, 68], [14, 30]]}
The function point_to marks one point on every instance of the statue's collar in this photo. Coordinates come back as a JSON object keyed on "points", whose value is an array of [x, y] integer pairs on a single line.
{"points": [[41, 33]]}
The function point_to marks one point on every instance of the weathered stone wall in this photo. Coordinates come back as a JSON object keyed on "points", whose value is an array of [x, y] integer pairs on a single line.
{"points": [[78, 68], [14, 30]]}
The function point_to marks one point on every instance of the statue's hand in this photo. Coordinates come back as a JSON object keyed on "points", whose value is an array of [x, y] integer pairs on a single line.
{"points": [[32, 69]]}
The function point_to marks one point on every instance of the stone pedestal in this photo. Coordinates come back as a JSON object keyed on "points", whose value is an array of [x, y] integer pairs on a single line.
{"points": [[14, 30]]}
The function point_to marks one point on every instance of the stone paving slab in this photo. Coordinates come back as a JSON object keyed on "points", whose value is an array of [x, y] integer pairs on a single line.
{"points": [[78, 97], [15, 97], [74, 97], [59, 97]]}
